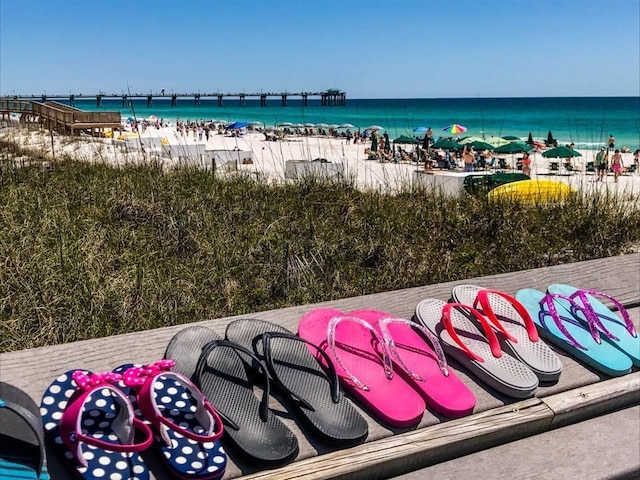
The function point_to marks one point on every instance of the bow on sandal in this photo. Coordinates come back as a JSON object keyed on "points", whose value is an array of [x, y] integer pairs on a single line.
{"points": [[514, 328], [564, 322], [188, 428], [91, 424], [477, 350]]}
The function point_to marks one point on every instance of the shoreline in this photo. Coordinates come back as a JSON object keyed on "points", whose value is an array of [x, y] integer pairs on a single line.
{"points": [[269, 158]]}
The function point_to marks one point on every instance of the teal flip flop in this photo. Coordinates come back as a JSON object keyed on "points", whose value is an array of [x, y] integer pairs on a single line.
{"points": [[22, 451], [619, 332], [552, 314]]}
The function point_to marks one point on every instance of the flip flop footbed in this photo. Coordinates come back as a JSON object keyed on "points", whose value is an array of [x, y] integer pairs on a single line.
{"points": [[301, 377], [185, 457], [505, 374], [603, 356], [392, 400], [446, 394], [227, 385], [626, 342], [100, 410], [20, 452], [536, 355]]}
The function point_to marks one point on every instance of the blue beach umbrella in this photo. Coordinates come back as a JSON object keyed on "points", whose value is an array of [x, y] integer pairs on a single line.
{"points": [[420, 130], [237, 125]]}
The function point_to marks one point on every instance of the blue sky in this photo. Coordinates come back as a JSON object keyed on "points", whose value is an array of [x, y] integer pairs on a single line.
{"points": [[370, 49]]}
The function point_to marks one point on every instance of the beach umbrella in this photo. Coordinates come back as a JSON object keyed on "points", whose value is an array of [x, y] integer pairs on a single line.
{"points": [[480, 145], [152, 118], [466, 140], [511, 138], [256, 123], [530, 139], [374, 127], [550, 141], [513, 147], [561, 152], [446, 145], [309, 125], [285, 124], [334, 126], [406, 140], [454, 128], [237, 125], [322, 125], [420, 130], [346, 125]]}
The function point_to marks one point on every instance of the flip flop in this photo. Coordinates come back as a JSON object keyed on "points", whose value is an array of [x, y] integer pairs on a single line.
{"points": [[312, 393], [187, 428], [91, 424], [363, 365], [477, 351], [22, 450], [552, 313], [220, 369], [423, 366], [515, 329], [621, 333]]}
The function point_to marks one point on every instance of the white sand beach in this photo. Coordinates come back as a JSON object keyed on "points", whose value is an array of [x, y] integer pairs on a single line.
{"points": [[269, 157]]}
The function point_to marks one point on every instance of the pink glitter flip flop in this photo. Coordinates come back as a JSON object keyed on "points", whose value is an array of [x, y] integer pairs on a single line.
{"points": [[418, 356], [363, 365]]}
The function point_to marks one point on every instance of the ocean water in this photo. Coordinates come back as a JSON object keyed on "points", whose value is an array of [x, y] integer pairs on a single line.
{"points": [[585, 121]]}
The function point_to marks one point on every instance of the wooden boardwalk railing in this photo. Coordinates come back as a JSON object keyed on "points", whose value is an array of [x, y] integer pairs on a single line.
{"points": [[580, 393]]}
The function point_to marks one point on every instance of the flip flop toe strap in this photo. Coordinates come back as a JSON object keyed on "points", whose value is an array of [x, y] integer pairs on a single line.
{"points": [[483, 300], [331, 338], [547, 307], [593, 316], [144, 379], [34, 423], [203, 364], [393, 349], [488, 331], [123, 425], [269, 361]]}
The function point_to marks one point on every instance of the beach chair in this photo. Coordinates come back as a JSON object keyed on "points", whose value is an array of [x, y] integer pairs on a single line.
{"points": [[590, 167], [502, 163], [568, 167], [554, 166]]}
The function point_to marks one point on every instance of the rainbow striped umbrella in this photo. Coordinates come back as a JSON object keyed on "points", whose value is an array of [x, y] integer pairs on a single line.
{"points": [[454, 128]]}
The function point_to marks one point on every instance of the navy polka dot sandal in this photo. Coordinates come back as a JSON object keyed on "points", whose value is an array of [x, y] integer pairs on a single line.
{"points": [[91, 423], [187, 428]]}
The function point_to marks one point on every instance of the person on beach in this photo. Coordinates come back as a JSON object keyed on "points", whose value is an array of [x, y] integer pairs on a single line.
{"points": [[602, 161], [526, 164], [429, 136], [616, 165], [469, 158], [612, 142]]}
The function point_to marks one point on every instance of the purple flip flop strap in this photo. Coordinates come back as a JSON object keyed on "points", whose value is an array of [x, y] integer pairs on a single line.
{"points": [[548, 302], [142, 380], [331, 339], [592, 316], [393, 349], [123, 425]]}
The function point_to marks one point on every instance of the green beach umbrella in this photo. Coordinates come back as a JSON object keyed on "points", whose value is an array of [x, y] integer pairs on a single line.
{"points": [[405, 139], [561, 152], [446, 145], [511, 138], [513, 147], [480, 145]]}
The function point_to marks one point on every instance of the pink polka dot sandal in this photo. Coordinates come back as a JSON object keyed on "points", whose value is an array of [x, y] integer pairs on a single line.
{"points": [[187, 428], [91, 424]]}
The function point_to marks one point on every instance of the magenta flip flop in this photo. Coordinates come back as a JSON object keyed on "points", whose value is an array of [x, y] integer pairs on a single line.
{"points": [[363, 365], [417, 354]]}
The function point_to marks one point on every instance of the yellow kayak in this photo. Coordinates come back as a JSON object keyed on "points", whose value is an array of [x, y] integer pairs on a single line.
{"points": [[532, 190]]}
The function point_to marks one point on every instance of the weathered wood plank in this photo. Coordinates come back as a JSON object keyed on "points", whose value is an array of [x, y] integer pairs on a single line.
{"points": [[411, 450], [34, 369], [592, 400]]}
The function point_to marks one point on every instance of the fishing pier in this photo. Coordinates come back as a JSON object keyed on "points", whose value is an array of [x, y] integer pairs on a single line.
{"points": [[328, 98]]}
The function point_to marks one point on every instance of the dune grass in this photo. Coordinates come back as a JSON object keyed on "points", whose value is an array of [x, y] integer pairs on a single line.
{"points": [[89, 250]]}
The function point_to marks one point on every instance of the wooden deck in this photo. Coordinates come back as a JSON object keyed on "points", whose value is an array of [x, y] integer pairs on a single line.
{"points": [[580, 394], [61, 117]]}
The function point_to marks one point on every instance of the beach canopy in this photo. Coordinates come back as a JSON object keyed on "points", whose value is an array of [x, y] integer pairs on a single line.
{"points": [[405, 139], [237, 125], [513, 147], [446, 145], [480, 145], [561, 152], [454, 128]]}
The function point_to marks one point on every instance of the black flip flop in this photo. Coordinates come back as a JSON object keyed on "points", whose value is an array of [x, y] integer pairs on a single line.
{"points": [[313, 393], [217, 367], [22, 451]]}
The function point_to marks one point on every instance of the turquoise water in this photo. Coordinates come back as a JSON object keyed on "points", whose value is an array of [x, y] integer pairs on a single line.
{"points": [[585, 121]]}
